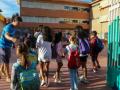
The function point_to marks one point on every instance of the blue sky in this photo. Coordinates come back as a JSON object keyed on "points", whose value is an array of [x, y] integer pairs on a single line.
{"points": [[10, 7]]}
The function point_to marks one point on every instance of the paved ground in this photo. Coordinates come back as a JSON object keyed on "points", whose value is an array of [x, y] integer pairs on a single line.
{"points": [[97, 80]]}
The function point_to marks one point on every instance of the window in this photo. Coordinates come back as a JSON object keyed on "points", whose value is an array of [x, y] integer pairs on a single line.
{"points": [[66, 7], [86, 22], [66, 20], [61, 22], [75, 21], [87, 9], [75, 8]]}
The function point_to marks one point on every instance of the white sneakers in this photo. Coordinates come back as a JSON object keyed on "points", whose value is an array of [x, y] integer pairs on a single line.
{"points": [[83, 79], [57, 81]]}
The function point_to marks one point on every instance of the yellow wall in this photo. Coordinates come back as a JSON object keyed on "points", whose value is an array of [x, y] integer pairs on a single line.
{"points": [[99, 16]]}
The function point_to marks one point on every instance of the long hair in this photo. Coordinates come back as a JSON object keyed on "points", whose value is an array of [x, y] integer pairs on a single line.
{"points": [[47, 34], [22, 51], [73, 39], [58, 37], [81, 33]]}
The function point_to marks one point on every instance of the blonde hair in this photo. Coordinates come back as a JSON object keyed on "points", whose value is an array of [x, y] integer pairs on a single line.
{"points": [[73, 39]]}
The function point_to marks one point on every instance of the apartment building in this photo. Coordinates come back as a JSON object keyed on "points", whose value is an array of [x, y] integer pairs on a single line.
{"points": [[57, 14], [100, 17]]}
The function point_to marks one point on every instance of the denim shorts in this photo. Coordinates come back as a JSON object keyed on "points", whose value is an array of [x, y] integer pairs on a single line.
{"points": [[5, 54]]}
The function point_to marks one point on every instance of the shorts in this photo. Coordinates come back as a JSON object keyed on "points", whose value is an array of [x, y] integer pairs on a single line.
{"points": [[5, 54], [83, 58]]}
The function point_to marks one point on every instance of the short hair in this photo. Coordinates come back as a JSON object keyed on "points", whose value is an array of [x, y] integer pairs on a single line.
{"points": [[16, 17]]}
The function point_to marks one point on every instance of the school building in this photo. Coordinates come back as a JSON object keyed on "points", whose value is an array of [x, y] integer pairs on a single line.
{"points": [[100, 17], [57, 14]]}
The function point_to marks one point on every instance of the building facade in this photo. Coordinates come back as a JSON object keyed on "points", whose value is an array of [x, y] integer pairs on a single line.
{"points": [[57, 14], [100, 17]]}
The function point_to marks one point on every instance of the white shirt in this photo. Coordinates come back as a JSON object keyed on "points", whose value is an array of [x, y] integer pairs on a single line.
{"points": [[44, 49]]}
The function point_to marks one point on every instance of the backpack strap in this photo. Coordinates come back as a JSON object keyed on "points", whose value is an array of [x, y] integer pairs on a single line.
{"points": [[70, 49]]}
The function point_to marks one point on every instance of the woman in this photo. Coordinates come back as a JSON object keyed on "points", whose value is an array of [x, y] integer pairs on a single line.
{"points": [[44, 54], [6, 42]]}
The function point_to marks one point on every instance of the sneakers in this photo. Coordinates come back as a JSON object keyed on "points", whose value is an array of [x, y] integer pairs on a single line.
{"points": [[57, 81], [54, 76], [94, 70], [42, 83], [83, 80]]}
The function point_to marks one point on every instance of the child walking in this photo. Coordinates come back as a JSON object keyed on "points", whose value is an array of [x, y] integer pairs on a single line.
{"points": [[59, 54], [73, 72], [24, 75]]}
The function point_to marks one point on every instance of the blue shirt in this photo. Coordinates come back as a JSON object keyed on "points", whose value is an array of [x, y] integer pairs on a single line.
{"points": [[5, 43]]}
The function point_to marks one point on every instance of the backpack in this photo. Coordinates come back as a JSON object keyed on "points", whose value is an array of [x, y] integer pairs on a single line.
{"points": [[84, 46], [29, 78], [73, 59], [99, 45]]}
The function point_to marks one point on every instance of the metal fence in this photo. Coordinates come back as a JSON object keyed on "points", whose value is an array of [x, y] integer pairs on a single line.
{"points": [[113, 68]]}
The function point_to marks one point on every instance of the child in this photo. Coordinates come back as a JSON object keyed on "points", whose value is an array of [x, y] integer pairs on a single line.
{"points": [[7, 40], [73, 72], [24, 75], [84, 48], [43, 44], [94, 51], [59, 54]]}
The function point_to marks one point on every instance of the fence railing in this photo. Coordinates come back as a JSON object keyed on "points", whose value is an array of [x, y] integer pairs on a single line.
{"points": [[113, 68]]}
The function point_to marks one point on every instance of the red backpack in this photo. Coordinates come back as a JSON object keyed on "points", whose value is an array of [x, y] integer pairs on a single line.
{"points": [[74, 59]]}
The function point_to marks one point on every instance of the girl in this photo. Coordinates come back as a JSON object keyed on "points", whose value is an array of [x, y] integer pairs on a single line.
{"points": [[73, 72], [59, 52], [24, 75], [84, 51], [44, 54], [94, 52]]}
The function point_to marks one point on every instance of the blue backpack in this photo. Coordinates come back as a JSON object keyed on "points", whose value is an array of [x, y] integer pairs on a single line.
{"points": [[99, 45], [28, 78], [84, 46]]}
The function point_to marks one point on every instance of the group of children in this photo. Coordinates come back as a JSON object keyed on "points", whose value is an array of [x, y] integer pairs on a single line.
{"points": [[25, 74]]}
